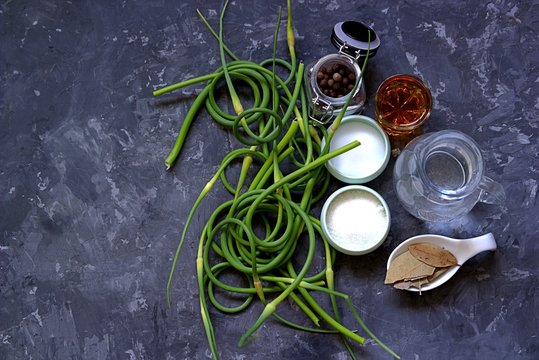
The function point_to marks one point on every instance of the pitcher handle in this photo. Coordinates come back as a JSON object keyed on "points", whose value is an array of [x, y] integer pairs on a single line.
{"points": [[491, 191]]}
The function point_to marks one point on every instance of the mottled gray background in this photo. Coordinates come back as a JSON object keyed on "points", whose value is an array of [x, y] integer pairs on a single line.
{"points": [[89, 218]]}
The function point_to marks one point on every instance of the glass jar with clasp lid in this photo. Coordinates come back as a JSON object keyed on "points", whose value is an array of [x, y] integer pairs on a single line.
{"points": [[330, 80]]}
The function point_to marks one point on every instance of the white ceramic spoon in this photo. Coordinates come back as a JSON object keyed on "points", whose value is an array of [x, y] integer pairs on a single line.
{"points": [[463, 249]]}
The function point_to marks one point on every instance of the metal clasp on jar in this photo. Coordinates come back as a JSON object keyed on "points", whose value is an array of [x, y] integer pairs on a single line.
{"points": [[325, 115], [345, 47]]}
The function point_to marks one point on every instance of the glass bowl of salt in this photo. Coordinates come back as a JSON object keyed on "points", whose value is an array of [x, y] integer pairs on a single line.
{"points": [[355, 220]]}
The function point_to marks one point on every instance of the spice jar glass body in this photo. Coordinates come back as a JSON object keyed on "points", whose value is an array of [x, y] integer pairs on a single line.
{"points": [[329, 82]]}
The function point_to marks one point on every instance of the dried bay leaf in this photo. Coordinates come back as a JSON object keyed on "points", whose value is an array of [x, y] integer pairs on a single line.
{"points": [[437, 273], [402, 285], [419, 266], [406, 284], [407, 267], [432, 255]]}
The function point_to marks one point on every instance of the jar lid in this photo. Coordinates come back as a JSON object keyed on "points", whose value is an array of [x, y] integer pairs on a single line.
{"points": [[352, 38], [365, 162]]}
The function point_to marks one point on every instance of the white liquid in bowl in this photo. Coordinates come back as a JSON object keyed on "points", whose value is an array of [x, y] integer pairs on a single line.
{"points": [[364, 160]]}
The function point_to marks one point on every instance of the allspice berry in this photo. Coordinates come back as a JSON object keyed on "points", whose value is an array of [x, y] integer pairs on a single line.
{"points": [[335, 80]]}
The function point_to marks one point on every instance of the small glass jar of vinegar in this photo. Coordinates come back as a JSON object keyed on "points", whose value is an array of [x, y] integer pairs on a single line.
{"points": [[330, 80], [402, 104]]}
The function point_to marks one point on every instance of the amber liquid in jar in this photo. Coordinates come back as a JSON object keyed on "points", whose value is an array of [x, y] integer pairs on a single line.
{"points": [[403, 102]]}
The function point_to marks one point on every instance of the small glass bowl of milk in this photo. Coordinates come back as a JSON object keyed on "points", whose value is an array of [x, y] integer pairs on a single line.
{"points": [[365, 162]]}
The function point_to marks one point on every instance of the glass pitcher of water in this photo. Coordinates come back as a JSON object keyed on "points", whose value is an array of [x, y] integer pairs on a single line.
{"points": [[440, 176]]}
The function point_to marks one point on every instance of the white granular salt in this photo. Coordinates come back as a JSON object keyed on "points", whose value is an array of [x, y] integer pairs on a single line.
{"points": [[356, 220]]}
